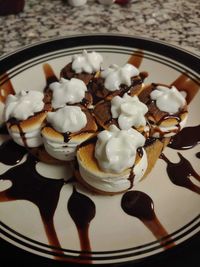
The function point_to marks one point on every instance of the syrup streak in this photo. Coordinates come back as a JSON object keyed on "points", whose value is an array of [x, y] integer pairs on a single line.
{"points": [[49, 74], [180, 173], [138, 204], [184, 83], [82, 210], [136, 58], [11, 153], [6, 87], [187, 138], [28, 184]]}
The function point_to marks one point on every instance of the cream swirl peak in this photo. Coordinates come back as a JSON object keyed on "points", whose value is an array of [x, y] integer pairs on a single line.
{"points": [[67, 92], [168, 99], [67, 119], [115, 76], [116, 149], [23, 105], [129, 110], [87, 62]]}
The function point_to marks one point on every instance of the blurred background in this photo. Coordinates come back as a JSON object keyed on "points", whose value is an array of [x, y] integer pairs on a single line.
{"points": [[176, 22]]}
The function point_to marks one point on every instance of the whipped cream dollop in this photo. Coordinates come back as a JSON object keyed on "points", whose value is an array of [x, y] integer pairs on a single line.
{"points": [[23, 105], [87, 62], [115, 76], [67, 92], [129, 110], [168, 99], [116, 149], [67, 119]]}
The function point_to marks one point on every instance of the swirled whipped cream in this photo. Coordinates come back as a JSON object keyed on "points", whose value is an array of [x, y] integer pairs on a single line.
{"points": [[115, 76], [87, 62], [116, 149], [67, 92], [129, 110], [67, 119], [168, 99], [23, 105]]}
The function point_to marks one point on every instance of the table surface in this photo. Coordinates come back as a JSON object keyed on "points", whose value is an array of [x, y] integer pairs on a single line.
{"points": [[176, 22]]}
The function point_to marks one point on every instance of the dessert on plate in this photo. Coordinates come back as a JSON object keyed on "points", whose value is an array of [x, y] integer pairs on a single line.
{"points": [[106, 122], [113, 162], [67, 128], [25, 114], [125, 112], [117, 80], [167, 109], [83, 66]]}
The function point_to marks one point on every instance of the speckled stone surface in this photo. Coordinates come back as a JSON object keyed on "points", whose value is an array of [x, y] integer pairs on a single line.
{"points": [[176, 22]]}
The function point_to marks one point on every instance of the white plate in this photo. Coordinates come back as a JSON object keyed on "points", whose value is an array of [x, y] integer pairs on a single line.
{"points": [[113, 236]]}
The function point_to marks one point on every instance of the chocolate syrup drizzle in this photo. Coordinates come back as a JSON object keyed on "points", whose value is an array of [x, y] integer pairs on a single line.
{"points": [[82, 210], [3, 129], [28, 184], [187, 138], [138, 204], [180, 173], [11, 153], [198, 155]]}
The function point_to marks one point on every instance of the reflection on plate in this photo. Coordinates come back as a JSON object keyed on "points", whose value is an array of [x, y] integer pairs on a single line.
{"points": [[59, 219]]}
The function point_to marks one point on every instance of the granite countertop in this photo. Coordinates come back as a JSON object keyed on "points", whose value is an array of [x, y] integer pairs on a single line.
{"points": [[176, 22]]}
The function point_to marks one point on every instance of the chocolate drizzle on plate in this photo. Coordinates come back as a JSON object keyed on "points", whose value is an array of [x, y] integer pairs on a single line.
{"points": [[138, 204], [28, 184], [82, 210], [187, 138], [11, 153], [136, 58], [6, 87], [185, 83], [3, 129], [180, 173], [198, 155], [49, 74]]}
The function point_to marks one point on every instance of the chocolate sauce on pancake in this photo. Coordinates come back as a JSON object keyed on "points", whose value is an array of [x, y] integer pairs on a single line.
{"points": [[68, 73], [16, 122], [187, 138], [138, 204], [180, 173], [149, 141]]}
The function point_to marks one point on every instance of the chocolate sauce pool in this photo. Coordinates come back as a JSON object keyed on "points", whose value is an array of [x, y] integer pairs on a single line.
{"points": [[11, 153], [138, 204], [187, 138], [198, 155]]}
